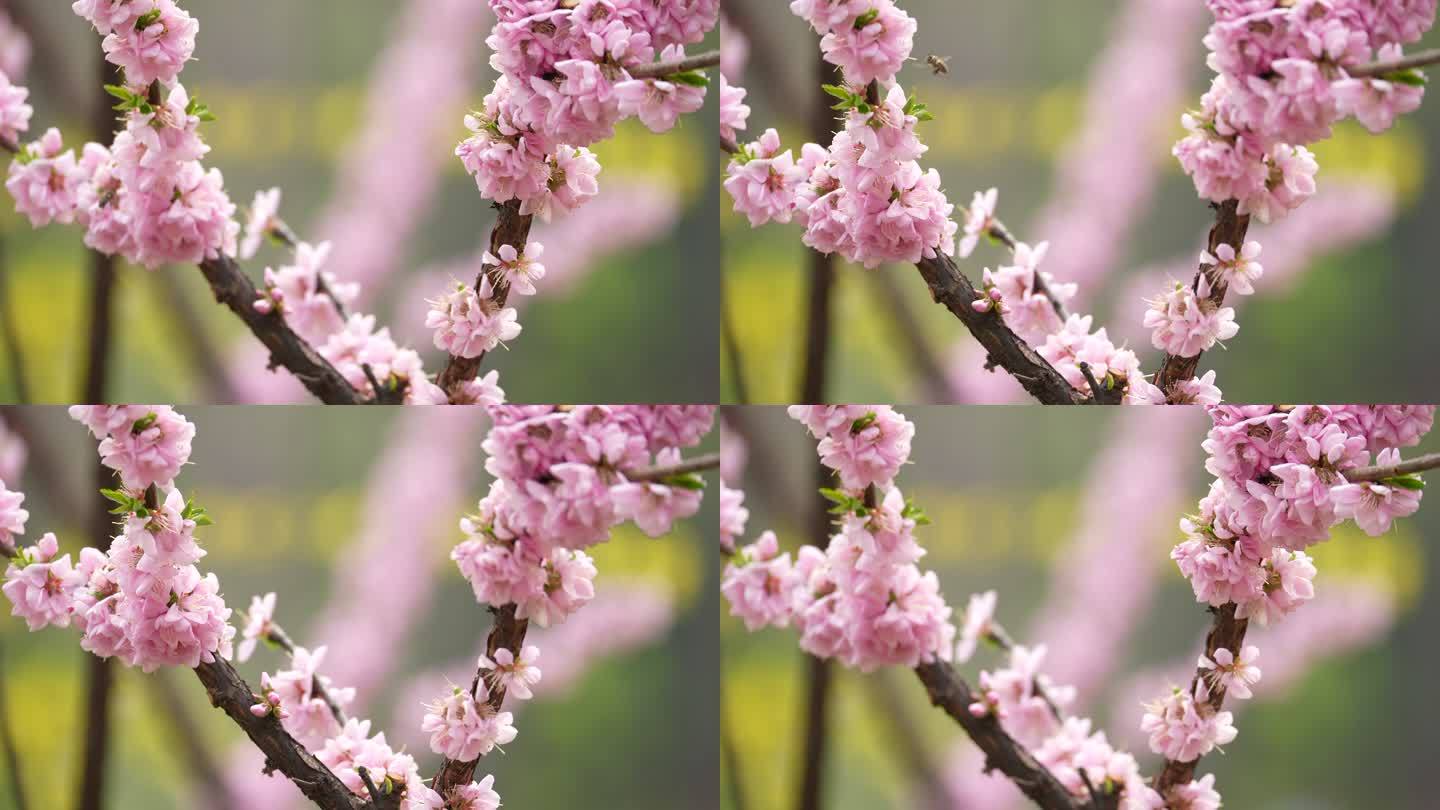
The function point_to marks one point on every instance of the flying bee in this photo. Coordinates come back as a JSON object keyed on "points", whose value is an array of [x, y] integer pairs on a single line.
{"points": [[939, 65]]}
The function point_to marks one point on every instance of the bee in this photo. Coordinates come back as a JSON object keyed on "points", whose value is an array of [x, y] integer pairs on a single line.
{"points": [[939, 65]]}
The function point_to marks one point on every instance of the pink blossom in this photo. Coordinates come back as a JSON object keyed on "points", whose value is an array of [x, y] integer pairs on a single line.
{"points": [[754, 583], [150, 449], [1234, 675], [464, 728], [978, 617], [1199, 794], [763, 181], [45, 181], [654, 507], [261, 220], [978, 219], [258, 622], [1184, 728], [15, 113], [476, 796], [733, 111], [1288, 585], [1187, 322], [1239, 272], [874, 46], [13, 517], [153, 43], [40, 587], [1292, 181], [469, 324], [733, 516], [1374, 504], [870, 450], [186, 219], [1376, 103], [521, 270], [515, 675], [571, 183], [310, 297]]}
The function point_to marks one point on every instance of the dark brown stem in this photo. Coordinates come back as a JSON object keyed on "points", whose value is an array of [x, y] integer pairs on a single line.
{"points": [[951, 693], [12, 753], [709, 461], [820, 678], [816, 359], [1229, 229], [1418, 464], [658, 70], [950, 288], [192, 744], [1414, 60], [1226, 632], [100, 681], [102, 295], [508, 633], [287, 349], [511, 228], [229, 693]]}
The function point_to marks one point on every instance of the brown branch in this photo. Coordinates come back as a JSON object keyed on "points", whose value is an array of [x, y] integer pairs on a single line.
{"points": [[657, 70], [287, 349], [511, 228], [820, 681], [1229, 229], [1226, 632], [229, 693], [1379, 69], [820, 304], [1418, 464], [950, 692], [950, 288], [508, 632], [709, 461]]}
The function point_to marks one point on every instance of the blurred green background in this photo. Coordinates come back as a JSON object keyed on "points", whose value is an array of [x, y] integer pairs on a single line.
{"points": [[1006, 489], [288, 83], [287, 488], [1354, 327]]}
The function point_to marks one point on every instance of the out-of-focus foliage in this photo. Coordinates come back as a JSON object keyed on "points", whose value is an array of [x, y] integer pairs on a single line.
{"points": [[1004, 489], [286, 488]]}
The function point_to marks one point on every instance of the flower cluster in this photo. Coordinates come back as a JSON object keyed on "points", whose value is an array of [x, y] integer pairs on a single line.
{"points": [[868, 41], [143, 600], [1282, 80], [862, 599], [864, 197], [146, 196], [1279, 488], [565, 82], [561, 486]]}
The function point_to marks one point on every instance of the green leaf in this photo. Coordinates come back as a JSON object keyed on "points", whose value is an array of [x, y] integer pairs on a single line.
{"points": [[143, 423], [694, 78], [119, 92], [147, 19], [691, 481], [1405, 482], [866, 18], [837, 91], [1413, 77], [863, 422]]}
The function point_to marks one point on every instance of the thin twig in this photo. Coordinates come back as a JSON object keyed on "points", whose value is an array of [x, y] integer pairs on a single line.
{"points": [[1418, 464], [1414, 60], [1002, 234], [708, 461], [657, 70], [281, 639]]}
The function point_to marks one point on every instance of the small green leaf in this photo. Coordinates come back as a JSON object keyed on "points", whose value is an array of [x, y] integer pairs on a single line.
{"points": [[837, 91], [694, 78], [690, 481], [1405, 482], [863, 422], [1413, 77], [866, 18], [143, 423], [147, 19]]}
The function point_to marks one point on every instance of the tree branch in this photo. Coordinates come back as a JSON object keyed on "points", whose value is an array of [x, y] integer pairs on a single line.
{"points": [[950, 288], [281, 639], [1379, 69], [1226, 632], [511, 228], [1229, 229], [1001, 234], [658, 70], [287, 349], [1418, 464], [950, 692], [229, 693], [508, 632], [659, 473]]}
